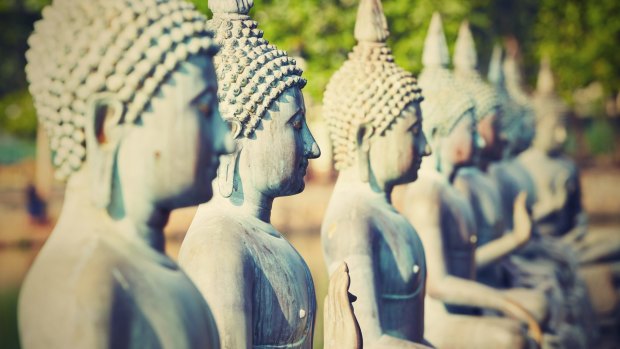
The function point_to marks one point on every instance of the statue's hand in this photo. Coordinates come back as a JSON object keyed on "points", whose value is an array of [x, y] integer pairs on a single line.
{"points": [[522, 220], [341, 328], [518, 312]]}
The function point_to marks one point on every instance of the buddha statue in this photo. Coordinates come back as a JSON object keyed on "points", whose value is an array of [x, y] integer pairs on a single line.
{"points": [[372, 109], [260, 289], [484, 195], [446, 223], [127, 94], [544, 260], [494, 240], [558, 211]]}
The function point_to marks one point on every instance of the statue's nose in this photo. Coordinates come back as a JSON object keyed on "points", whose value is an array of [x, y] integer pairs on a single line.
{"points": [[315, 151]]}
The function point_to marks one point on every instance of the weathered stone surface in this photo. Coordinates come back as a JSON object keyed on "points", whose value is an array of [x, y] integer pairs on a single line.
{"points": [[133, 122], [372, 108], [446, 223]]}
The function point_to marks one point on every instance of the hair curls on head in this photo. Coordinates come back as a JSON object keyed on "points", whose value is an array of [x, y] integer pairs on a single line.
{"points": [[251, 73], [124, 49], [368, 88]]}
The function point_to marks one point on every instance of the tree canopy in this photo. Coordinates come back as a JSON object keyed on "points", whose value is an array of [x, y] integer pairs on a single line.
{"points": [[580, 37]]}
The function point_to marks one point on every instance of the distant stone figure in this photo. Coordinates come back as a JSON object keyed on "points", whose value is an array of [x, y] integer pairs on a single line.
{"points": [[372, 108], [127, 94], [528, 279], [259, 288], [446, 223]]}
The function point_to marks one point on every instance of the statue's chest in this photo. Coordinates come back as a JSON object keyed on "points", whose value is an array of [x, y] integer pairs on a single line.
{"points": [[487, 207], [283, 306], [458, 230], [401, 260], [150, 289]]}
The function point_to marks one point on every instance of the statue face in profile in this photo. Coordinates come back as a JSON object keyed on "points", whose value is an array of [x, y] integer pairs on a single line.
{"points": [[395, 156], [175, 146], [551, 134], [274, 159], [458, 146], [489, 130]]}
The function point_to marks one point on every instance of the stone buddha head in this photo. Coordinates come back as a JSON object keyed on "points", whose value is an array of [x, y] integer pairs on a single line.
{"points": [[485, 97], [551, 113], [372, 107], [127, 93], [260, 95], [514, 87], [516, 133], [450, 120]]}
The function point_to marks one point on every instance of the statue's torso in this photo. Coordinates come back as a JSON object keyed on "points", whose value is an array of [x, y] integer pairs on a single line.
{"points": [[511, 178], [455, 221], [484, 198], [107, 290], [458, 228], [557, 187], [395, 251], [282, 296], [284, 305]]}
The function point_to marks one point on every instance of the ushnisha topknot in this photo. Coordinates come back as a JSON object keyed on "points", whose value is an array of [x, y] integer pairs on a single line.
{"points": [[369, 88], [123, 48], [445, 102], [467, 75], [547, 104], [251, 73], [511, 111]]}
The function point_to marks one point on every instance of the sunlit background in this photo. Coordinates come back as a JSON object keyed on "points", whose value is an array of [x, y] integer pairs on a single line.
{"points": [[581, 38]]}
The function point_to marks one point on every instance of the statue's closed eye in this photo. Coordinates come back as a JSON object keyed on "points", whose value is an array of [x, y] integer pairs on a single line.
{"points": [[296, 124]]}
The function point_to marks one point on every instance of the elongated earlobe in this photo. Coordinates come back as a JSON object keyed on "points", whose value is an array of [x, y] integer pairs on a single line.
{"points": [[228, 163], [226, 173], [103, 136], [364, 133]]}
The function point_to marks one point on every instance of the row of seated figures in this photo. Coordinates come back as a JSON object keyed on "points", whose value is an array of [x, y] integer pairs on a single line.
{"points": [[131, 108], [135, 118]]}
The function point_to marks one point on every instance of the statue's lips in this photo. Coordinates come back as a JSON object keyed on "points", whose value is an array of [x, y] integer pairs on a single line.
{"points": [[212, 169], [304, 166]]}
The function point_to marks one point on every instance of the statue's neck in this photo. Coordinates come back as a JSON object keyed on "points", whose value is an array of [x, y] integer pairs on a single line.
{"points": [[251, 203], [144, 224], [434, 166], [350, 178]]}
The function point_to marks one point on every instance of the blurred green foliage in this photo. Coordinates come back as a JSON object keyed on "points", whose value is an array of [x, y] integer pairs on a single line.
{"points": [[600, 137], [8, 313], [580, 37]]}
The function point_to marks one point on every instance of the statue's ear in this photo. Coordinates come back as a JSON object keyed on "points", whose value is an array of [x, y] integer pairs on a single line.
{"points": [[235, 128], [228, 163], [104, 131], [364, 133], [226, 173]]}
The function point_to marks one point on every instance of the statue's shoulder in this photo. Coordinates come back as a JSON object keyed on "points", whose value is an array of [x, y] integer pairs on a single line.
{"points": [[215, 235], [213, 222]]}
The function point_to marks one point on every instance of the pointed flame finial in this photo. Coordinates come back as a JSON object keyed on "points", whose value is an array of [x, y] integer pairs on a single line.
{"points": [[371, 25], [465, 56], [545, 84], [496, 72], [231, 6], [435, 46]]}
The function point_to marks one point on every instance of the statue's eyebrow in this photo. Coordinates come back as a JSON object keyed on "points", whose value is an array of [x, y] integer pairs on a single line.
{"points": [[417, 122], [299, 111]]}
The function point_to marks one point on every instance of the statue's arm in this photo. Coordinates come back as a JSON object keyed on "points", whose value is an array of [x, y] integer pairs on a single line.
{"points": [[511, 240], [426, 218], [576, 212], [356, 250], [220, 269]]}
